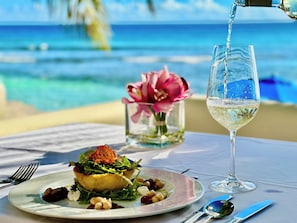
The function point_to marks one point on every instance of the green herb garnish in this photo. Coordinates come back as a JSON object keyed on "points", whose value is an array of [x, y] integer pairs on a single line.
{"points": [[88, 166]]}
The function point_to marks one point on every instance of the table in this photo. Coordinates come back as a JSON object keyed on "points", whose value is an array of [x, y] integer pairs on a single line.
{"points": [[271, 164]]}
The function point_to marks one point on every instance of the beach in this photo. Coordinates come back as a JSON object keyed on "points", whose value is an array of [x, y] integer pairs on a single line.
{"points": [[273, 121], [17, 109]]}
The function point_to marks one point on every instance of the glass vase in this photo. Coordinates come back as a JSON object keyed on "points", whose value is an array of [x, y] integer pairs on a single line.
{"points": [[155, 130]]}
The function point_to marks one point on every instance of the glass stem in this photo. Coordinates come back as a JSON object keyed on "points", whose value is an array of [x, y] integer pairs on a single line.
{"points": [[232, 154]]}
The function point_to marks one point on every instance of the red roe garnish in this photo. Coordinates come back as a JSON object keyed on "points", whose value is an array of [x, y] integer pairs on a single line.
{"points": [[104, 154]]}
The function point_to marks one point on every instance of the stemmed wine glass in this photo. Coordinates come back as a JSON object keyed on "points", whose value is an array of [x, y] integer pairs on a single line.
{"points": [[233, 99]]}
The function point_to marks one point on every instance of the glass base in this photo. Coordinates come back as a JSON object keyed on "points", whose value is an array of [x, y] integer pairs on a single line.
{"points": [[158, 142], [232, 186], [150, 131]]}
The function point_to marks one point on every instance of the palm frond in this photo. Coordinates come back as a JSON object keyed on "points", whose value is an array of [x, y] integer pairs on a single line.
{"points": [[91, 14]]}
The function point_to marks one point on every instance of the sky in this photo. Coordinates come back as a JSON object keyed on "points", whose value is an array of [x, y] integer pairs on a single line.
{"points": [[131, 11]]}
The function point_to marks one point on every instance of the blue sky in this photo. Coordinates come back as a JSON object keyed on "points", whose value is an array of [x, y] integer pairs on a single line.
{"points": [[119, 11]]}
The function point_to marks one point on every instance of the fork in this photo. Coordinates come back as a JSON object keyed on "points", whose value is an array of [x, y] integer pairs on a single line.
{"points": [[22, 174]]}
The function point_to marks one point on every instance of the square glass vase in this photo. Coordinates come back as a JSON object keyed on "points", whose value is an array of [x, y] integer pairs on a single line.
{"points": [[155, 131]]}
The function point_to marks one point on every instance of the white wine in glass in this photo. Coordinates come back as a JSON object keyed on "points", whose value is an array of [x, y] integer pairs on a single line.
{"points": [[233, 99]]}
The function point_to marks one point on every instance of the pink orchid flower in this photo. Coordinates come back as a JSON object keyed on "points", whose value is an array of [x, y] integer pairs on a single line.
{"points": [[158, 89]]}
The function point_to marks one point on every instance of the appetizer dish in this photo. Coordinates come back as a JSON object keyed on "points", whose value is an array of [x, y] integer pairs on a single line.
{"points": [[102, 177]]}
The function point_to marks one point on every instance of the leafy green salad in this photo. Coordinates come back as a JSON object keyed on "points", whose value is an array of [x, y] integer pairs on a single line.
{"points": [[88, 166]]}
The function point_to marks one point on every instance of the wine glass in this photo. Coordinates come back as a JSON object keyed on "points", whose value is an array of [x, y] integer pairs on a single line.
{"points": [[233, 99]]}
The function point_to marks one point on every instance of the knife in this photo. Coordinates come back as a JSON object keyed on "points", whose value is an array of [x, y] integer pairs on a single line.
{"points": [[250, 211], [197, 214]]}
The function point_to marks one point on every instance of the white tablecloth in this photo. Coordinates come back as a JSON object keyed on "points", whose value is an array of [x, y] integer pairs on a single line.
{"points": [[268, 163]]}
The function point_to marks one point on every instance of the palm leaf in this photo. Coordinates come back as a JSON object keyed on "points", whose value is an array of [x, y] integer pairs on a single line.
{"points": [[91, 14]]}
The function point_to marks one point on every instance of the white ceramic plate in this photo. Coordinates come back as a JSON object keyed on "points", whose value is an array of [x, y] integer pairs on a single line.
{"points": [[27, 196]]}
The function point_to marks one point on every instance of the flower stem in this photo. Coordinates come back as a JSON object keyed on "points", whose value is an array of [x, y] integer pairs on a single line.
{"points": [[164, 126], [160, 122], [161, 126]]}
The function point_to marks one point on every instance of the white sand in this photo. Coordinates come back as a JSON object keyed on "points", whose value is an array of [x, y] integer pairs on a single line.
{"points": [[273, 121]]}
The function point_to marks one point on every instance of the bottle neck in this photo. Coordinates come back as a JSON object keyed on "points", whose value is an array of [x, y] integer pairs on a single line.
{"points": [[263, 3]]}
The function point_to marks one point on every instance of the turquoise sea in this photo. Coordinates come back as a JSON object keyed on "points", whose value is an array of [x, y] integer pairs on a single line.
{"points": [[54, 67]]}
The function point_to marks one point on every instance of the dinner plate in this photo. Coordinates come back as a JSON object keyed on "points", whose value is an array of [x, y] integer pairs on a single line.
{"points": [[27, 196]]}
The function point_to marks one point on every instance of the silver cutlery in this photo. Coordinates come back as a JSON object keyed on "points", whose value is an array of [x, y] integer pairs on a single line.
{"points": [[218, 209], [250, 211], [197, 214], [22, 174]]}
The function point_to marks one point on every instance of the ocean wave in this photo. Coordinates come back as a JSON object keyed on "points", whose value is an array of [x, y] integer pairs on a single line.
{"points": [[16, 59], [45, 47], [186, 59], [41, 46], [87, 46], [175, 59]]}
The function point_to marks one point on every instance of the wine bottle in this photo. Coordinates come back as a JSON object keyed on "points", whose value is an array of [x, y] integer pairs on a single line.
{"points": [[288, 6]]}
